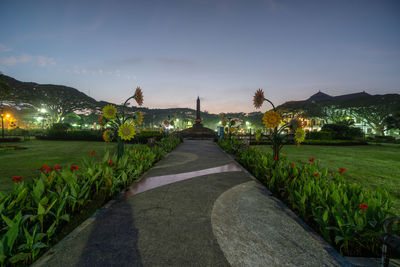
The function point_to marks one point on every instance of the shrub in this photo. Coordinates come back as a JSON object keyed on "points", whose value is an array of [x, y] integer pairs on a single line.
{"points": [[169, 143], [385, 139], [342, 131], [10, 139], [32, 213], [144, 136], [230, 145], [345, 214], [61, 127], [321, 135], [335, 142], [96, 135], [81, 135]]}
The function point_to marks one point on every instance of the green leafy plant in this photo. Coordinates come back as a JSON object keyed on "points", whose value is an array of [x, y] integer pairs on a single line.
{"points": [[33, 212], [347, 215]]}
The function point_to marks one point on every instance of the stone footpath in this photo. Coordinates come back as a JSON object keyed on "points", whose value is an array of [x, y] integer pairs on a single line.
{"points": [[196, 207]]}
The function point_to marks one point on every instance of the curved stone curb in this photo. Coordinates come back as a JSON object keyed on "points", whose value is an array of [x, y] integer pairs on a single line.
{"points": [[59, 246], [252, 230], [329, 249]]}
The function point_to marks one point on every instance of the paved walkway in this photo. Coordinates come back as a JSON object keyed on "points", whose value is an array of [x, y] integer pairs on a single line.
{"points": [[196, 207]]}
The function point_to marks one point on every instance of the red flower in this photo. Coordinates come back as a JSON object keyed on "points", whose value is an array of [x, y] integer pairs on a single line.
{"points": [[92, 152], [311, 160], [276, 158], [45, 168], [74, 167], [17, 179], [316, 175], [142, 158], [110, 161], [166, 123], [57, 167], [342, 170], [292, 165], [363, 207]]}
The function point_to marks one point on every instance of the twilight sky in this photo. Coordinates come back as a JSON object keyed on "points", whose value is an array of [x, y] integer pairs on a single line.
{"points": [[222, 50]]}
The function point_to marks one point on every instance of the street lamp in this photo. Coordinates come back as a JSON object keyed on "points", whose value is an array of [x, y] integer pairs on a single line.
{"points": [[2, 126], [2, 123]]}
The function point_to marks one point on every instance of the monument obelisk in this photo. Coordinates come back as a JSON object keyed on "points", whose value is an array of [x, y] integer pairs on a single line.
{"points": [[198, 131], [198, 118]]}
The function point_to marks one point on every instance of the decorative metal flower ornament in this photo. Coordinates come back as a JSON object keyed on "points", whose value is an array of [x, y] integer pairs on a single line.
{"points": [[121, 125], [272, 119]]}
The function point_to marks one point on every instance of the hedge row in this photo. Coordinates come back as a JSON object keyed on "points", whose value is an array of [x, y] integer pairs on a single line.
{"points": [[92, 135], [318, 142]]}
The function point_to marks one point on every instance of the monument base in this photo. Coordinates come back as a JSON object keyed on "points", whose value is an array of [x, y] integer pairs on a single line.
{"points": [[198, 131]]}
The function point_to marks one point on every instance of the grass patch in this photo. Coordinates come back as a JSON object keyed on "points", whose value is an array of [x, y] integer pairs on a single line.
{"points": [[26, 162], [370, 166]]}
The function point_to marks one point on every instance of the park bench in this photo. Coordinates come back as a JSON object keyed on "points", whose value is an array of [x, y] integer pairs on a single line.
{"points": [[390, 241]]}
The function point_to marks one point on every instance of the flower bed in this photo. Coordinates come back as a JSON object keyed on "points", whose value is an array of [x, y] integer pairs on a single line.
{"points": [[33, 213], [345, 214]]}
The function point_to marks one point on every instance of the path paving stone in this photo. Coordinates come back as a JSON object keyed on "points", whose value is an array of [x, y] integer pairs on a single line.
{"points": [[209, 219]]}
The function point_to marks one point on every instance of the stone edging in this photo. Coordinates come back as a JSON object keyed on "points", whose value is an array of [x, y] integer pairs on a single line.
{"points": [[330, 250], [59, 246]]}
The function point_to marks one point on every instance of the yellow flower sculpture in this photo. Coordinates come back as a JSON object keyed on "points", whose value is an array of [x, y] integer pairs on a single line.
{"points": [[139, 117], [126, 131], [138, 96], [272, 119], [258, 99], [294, 124], [107, 135], [109, 111], [299, 135], [232, 129]]}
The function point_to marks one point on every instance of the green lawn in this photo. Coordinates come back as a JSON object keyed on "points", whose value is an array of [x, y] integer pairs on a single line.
{"points": [[26, 163], [371, 166]]}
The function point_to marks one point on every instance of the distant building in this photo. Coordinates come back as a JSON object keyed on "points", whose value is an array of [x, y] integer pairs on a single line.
{"points": [[321, 108]]}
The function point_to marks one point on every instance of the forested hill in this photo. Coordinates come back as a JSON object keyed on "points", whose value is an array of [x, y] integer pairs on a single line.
{"points": [[60, 101], [320, 100]]}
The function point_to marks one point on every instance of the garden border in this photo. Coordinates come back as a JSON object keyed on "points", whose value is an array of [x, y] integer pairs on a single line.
{"points": [[343, 261], [41, 261]]}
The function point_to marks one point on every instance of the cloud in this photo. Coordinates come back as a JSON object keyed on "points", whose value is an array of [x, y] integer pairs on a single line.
{"points": [[42, 61], [173, 61], [10, 61], [158, 60], [126, 61], [4, 48]]}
